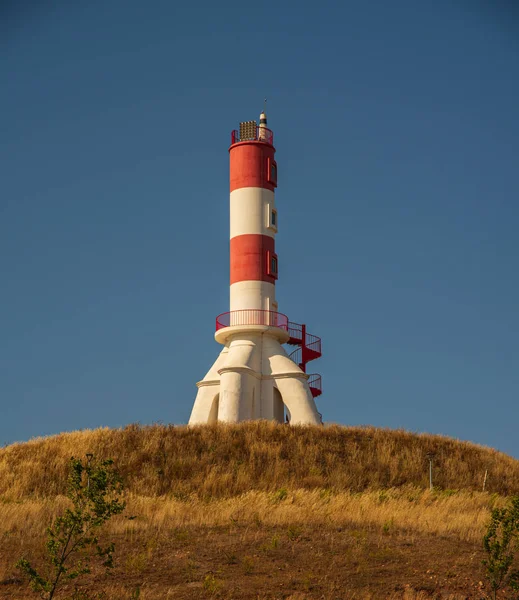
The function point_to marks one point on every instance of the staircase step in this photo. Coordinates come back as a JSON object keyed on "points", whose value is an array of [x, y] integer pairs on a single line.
{"points": [[312, 354], [315, 392]]}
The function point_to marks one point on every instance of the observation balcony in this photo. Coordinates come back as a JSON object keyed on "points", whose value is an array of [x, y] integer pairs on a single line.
{"points": [[252, 134], [252, 316]]}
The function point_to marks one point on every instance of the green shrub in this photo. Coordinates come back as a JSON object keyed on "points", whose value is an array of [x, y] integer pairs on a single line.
{"points": [[501, 543], [94, 490]]}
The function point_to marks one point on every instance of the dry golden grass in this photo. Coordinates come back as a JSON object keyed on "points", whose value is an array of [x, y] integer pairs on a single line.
{"points": [[266, 511], [462, 515], [226, 461]]}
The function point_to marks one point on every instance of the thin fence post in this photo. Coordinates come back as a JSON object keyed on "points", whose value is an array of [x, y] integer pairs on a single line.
{"points": [[89, 459], [430, 456]]}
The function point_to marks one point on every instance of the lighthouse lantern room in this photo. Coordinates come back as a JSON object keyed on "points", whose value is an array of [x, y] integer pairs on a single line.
{"points": [[254, 377]]}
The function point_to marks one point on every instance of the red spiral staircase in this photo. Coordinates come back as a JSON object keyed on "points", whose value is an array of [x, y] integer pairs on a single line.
{"points": [[308, 348]]}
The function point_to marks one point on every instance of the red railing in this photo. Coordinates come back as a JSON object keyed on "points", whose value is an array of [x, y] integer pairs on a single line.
{"points": [[296, 355], [298, 335], [295, 330], [315, 384], [262, 135], [252, 316]]}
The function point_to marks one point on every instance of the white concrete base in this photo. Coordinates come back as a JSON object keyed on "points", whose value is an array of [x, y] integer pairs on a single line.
{"points": [[253, 378]]}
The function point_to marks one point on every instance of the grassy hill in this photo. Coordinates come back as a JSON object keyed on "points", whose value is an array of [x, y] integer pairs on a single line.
{"points": [[268, 511]]}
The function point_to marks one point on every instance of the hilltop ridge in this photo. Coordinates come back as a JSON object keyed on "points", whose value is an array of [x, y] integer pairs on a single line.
{"points": [[267, 511], [226, 460]]}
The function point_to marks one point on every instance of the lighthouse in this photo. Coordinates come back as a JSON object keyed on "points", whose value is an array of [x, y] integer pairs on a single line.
{"points": [[254, 376]]}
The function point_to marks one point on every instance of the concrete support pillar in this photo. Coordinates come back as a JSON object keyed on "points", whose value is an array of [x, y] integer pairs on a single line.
{"points": [[254, 379]]}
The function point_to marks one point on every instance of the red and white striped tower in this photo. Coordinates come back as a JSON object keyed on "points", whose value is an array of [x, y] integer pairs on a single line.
{"points": [[253, 178], [254, 377]]}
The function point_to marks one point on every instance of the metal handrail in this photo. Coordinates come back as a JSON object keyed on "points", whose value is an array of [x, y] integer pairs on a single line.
{"points": [[295, 355], [313, 342], [263, 134], [295, 330], [252, 316], [315, 381]]}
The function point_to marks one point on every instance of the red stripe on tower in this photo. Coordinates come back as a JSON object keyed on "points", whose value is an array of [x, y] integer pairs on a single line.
{"points": [[253, 165], [251, 258]]}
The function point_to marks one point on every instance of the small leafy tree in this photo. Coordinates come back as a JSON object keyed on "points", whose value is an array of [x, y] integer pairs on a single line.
{"points": [[94, 489], [501, 543]]}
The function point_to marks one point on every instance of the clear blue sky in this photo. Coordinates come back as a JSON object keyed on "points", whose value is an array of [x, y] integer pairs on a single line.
{"points": [[397, 134]]}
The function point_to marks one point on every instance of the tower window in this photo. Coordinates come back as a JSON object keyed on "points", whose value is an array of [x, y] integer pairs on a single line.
{"points": [[271, 216], [272, 172], [272, 264]]}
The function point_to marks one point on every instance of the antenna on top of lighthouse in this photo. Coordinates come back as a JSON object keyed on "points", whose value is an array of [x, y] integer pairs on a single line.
{"points": [[263, 116]]}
